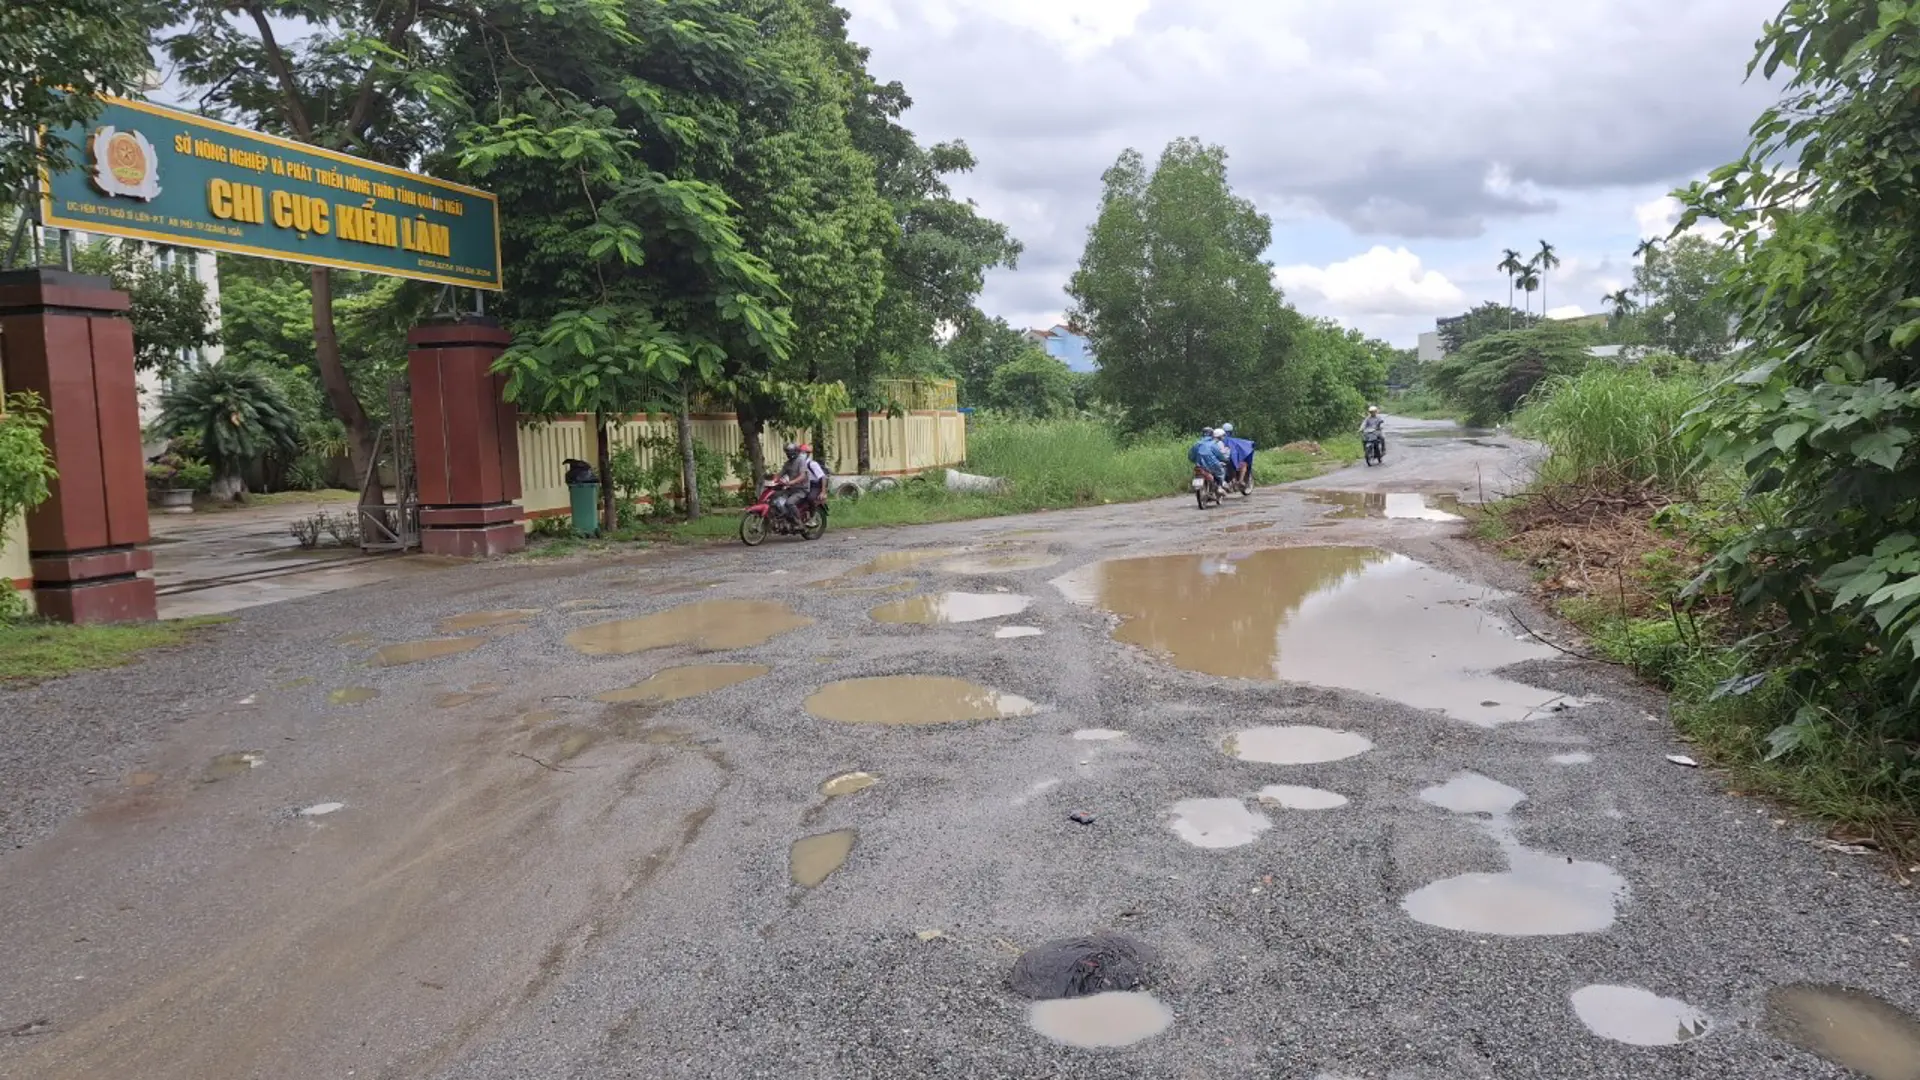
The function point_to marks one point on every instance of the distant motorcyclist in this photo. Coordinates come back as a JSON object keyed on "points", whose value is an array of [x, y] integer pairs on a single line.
{"points": [[1373, 435], [1374, 424]]}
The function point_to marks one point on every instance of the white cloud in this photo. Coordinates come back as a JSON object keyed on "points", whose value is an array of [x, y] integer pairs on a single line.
{"points": [[1571, 311], [1657, 218], [1382, 281]]}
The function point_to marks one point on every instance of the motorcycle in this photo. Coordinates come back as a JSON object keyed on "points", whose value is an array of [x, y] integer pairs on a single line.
{"points": [[1242, 484], [1376, 448], [1206, 489], [761, 518]]}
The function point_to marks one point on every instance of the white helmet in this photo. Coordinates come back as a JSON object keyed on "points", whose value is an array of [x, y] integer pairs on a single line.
{"points": [[1219, 434], [1373, 408], [1228, 428]]}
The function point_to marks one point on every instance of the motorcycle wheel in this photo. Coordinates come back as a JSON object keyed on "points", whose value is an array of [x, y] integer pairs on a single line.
{"points": [[1200, 498], [753, 529], [816, 525]]}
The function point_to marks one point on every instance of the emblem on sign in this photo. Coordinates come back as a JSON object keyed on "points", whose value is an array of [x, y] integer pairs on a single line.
{"points": [[124, 163]]}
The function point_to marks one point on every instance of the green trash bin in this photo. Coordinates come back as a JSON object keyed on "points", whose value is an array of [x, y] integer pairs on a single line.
{"points": [[586, 508]]}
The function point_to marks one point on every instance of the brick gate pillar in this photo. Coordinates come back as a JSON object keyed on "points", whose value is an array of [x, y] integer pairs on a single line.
{"points": [[466, 440], [65, 337]]}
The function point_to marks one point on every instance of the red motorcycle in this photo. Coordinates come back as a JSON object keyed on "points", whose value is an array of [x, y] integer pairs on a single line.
{"points": [[809, 523]]}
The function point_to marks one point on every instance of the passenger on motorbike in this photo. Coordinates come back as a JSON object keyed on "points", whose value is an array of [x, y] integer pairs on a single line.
{"points": [[816, 477], [1210, 453], [1239, 455]]}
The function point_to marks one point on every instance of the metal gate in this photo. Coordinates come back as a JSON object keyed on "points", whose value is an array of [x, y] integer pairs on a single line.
{"points": [[392, 525]]}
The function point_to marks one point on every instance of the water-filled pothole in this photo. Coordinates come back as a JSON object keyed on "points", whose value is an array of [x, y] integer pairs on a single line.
{"points": [[484, 620], [952, 607], [416, 652], [913, 701], [1471, 793], [352, 695], [675, 684], [238, 763], [814, 859], [1848, 1027], [1101, 1021], [1297, 745], [893, 562], [848, 784], [1398, 505], [1342, 617], [712, 625], [1011, 562], [1628, 1014], [1217, 823], [1289, 797]]}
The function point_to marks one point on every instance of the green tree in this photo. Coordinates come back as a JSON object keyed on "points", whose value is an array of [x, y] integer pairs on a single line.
{"points": [[1493, 375], [1544, 260], [1528, 279], [61, 54], [1172, 289], [26, 476], [1033, 384], [981, 347], [1825, 423], [1620, 306], [169, 310], [1511, 266], [1687, 312], [239, 415], [1489, 318]]}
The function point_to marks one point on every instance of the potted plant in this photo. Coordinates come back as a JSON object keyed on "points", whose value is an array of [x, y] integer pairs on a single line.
{"points": [[173, 479]]}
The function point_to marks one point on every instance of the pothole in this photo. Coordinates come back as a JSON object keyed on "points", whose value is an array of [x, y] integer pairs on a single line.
{"points": [[952, 607], [1102, 1021], [814, 859], [711, 625], [1012, 562], [1400, 506], [848, 784], [913, 701], [352, 695], [1289, 797], [484, 620], [675, 684], [417, 652], [1628, 1014], [1217, 823], [1296, 745], [1847, 1027]]}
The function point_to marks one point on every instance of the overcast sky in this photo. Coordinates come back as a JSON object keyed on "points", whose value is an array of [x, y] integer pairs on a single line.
{"points": [[1398, 145]]}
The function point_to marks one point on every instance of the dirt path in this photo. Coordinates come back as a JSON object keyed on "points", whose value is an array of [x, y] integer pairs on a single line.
{"points": [[501, 876]]}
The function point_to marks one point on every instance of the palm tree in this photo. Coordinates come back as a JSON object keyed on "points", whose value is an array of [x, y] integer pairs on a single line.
{"points": [[1648, 251], [1529, 280], [1620, 304], [1510, 266], [1546, 260], [240, 414]]}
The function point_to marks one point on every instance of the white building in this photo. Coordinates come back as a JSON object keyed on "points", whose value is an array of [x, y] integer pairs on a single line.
{"points": [[1430, 348]]}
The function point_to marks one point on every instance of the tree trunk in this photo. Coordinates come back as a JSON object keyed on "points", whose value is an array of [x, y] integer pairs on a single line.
{"points": [[688, 474], [752, 431], [863, 439], [609, 505], [339, 388], [1509, 301]]}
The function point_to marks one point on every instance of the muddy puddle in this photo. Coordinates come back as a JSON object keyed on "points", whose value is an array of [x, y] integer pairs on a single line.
{"points": [[813, 859], [675, 684], [1396, 506], [1257, 526], [228, 766], [486, 620], [939, 609], [913, 701], [419, 652], [1106, 1021], [455, 699], [1348, 618], [845, 784], [1848, 1027], [1297, 745], [1628, 1014], [711, 625], [1289, 797], [1538, 895], [1217, 823], [1012, 562], [893, 562], [352, 695]]}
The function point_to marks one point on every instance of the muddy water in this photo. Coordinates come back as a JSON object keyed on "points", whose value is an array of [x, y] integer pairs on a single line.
{"points": [[1398, 506], [1847, 1027], [352, 695], [416, 652], [1471, 793], [848, 784], [952, 607], [913, 701], [1628, 1014], [815, 858], [1217, 823], [1342, 617], [710, 625], [1298, 745], [1288, 797], [1012, 562], [892, 562], [483, 620], [1257, 526], [674, 684], [1101, 1021], [228, 766]]}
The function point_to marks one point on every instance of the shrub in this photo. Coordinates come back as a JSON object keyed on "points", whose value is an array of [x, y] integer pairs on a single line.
{"points": [[1493, 375], [1613, 425]]}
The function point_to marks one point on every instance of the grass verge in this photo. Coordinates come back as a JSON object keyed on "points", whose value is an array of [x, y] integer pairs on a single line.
{"points": [[324, 496], [31, 650]]}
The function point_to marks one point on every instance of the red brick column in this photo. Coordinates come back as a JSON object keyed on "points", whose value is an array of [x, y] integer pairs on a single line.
{"points": [[65, 337], [466, 440]]}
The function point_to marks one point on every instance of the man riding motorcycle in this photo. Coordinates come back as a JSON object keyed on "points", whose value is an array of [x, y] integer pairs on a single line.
{"points": [[1374, 427], [793, 476], [1239, 455], [1210, 453]]}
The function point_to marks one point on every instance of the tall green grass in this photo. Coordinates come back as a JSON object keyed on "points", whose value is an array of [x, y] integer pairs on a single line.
{"points": [[1614, 426]]}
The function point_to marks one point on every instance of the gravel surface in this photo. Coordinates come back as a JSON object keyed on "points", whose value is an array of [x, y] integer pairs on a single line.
{"points": [[523, 882]]}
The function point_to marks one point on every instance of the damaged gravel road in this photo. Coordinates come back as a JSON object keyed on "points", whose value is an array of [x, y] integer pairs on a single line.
{"points": [[313, 846]]}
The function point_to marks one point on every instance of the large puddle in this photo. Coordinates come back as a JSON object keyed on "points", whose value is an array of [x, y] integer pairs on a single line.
{"points": [[415, 652], [815, 858], [1101, 1021], [1628, 1014], [711, 625], [952, 607], [1847, 1027], [913, 701], [1395, 505], [675, 684], [1344, 617], [1539, 894]]}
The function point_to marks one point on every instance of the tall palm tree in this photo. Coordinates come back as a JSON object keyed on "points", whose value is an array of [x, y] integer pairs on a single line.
{"points": [[1510, 266], [1546, 259], [1529, 280], [1648, 251], [1619, 304]]}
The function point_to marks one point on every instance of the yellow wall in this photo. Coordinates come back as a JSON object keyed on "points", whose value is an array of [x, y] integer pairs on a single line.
{"points": [[900, 444]]}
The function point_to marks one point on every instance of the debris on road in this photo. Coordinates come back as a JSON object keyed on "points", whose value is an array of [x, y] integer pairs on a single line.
{"points": [[1078, 967], [1081, 816], [1682, 759]]}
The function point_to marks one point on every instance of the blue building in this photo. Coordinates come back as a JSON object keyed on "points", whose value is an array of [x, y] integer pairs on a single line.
{"points": [[1066, 346]]}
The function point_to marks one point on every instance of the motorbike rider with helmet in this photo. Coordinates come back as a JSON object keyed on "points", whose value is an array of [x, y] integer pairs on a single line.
{"points": [[792, 476], [1210, 453], [1374, 427], [1239, 455]]}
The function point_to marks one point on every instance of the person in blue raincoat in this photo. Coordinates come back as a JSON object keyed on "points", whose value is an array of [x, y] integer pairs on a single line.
{"points": [[1239, 455], [1209, 454]]}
